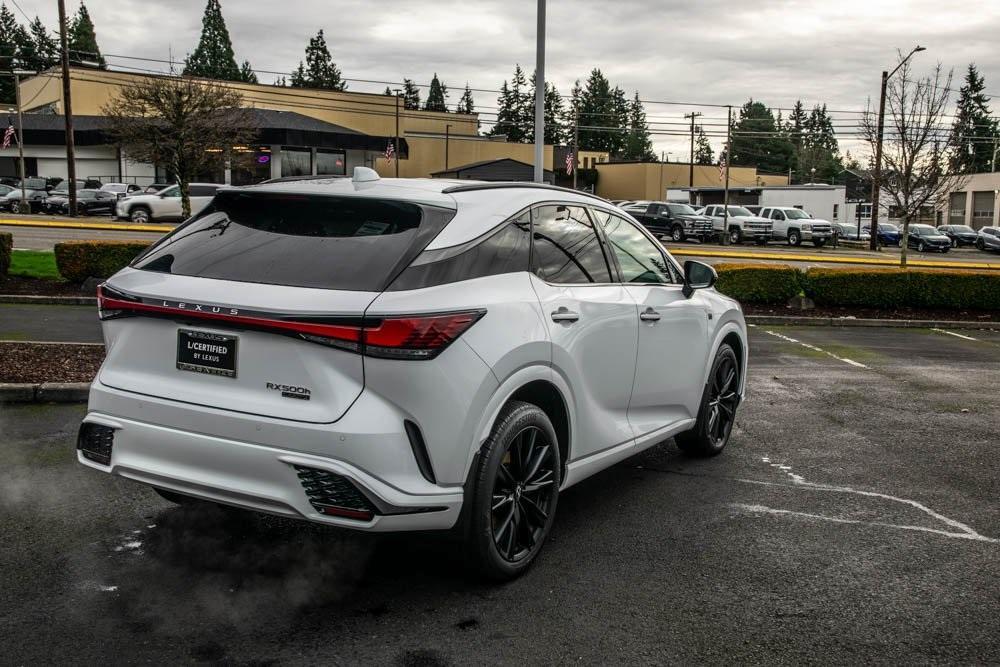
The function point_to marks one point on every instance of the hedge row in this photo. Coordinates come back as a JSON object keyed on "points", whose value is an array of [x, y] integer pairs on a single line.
{"points": [[6, 244], [79, 260], [868, 288]]}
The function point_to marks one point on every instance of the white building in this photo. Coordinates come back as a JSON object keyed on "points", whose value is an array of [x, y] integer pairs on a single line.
{"points": [[828, 202]]}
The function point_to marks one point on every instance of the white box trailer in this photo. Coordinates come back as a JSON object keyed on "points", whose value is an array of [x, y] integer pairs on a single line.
{"points": [[827, 202]]}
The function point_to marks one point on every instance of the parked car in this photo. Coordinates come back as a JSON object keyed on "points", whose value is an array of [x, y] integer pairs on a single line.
{"points": [[5, 189], [743, 225], [153, 188], [989, 238], [927, 237], [795, 226], [846, 231], [303, 358], [34, 193], [166, 204], [960, 235], [121, 189], [62, 185], [888, 234], [679, 221], [87, 202]]}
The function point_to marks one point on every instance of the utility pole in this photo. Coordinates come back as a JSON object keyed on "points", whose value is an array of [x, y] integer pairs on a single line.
{"points": [[447, 138], [993, 163], [396, 140], [20, 134], [67, 109], [725, 207], [692, 116], [576, 140], [540, 94]]}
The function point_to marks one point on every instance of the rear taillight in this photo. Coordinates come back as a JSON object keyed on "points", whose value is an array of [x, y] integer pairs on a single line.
{"points": [[389, 337]]}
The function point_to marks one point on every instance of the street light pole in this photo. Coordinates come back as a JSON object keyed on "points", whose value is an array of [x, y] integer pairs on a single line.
{"points": [[67, 109], [877, 171], [692, 116], [540, 94], [576, 140], [20, 135], [447, 137], [396, 139], [729, 145]]}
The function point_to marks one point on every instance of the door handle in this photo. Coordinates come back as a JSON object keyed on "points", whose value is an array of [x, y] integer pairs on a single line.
{"points": [[564, 314], [649, 315]]}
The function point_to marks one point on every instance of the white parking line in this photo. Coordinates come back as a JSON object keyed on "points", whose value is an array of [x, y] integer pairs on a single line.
{"points": [[956, 335], [789, 339]]}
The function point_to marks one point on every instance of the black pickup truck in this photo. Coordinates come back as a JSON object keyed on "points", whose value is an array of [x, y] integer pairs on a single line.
{"points": [[678, 221]]}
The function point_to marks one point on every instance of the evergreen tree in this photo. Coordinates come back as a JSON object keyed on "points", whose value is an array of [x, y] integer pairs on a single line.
{"points": [[213, 57], [388, 91], [281, 81], [818, 150], [554, 113], [411, 95], [758, 141], [319, 70], [506, 123], [11, 34], [36, 49], [515, 110], [638, 145], [970, 144], [702, 148], [466, 104], [247, 75], [437, 96], [598, 117], [795, 127], [569, 113], [82, 40]]}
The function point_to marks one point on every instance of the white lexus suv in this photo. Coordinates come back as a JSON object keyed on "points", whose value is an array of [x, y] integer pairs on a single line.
{"points": [[394, 355]]}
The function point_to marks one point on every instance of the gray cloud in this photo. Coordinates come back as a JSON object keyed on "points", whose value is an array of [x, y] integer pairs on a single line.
{"points": [[712, 51]]}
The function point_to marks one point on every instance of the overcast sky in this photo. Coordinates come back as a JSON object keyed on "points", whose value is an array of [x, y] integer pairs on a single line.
{"points": [[695, 51]]}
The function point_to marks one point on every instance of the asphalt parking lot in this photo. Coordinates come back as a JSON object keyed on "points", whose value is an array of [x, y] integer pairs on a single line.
{"points": [[853, 519]]}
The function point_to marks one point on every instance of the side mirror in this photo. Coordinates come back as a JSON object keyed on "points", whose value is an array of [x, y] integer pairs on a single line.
{"points": [[697, 275]]}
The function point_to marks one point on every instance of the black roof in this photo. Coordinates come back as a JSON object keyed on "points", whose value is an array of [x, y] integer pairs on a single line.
{"points": [[287, 128]]}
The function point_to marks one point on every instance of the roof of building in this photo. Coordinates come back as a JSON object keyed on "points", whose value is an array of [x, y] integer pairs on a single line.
{"points": [[485, 163]]}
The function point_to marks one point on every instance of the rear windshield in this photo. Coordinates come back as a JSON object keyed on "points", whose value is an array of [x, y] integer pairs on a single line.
{"points": [[344, 243]]}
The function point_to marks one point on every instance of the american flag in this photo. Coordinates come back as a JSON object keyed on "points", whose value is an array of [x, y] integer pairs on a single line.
{"points": [[723, 159], [570, 162], [390, 152], [8, 134]]}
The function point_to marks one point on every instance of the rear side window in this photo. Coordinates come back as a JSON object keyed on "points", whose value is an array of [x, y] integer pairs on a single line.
{"points": [[331, 242], [203, 190], [565, 248], [504, 251]]}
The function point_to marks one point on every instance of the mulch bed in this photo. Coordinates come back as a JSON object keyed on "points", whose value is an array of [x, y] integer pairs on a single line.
{"points": [[39, 287], [878, 313], [51, 362]]}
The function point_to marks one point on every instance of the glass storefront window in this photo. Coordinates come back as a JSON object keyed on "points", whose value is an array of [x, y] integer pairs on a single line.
{"points": [[296, 162], [330, 162]]}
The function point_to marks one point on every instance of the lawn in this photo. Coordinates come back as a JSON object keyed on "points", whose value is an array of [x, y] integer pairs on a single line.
{"points": [[34, 264]]}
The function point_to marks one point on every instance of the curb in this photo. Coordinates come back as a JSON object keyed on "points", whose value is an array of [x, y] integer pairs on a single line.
{"points": [[45, 392], [795, 320], [105, 226], [49, 300], [834, 259]]}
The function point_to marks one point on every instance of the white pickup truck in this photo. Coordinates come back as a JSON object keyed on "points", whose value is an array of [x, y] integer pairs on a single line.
{"points": [[795, 226], [743, 225]]}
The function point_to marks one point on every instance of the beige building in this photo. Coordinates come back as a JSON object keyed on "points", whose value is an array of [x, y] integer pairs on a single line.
{"points": [[974, 204], [651, 180]]}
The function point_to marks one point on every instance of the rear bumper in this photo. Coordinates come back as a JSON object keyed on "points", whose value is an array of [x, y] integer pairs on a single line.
{"points": [[246, 470]]}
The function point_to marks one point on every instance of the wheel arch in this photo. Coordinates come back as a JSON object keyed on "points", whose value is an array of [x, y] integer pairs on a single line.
{"points": [[730, 331]]}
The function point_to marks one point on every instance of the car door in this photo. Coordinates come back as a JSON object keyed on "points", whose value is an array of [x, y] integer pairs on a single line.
{"points": [[167, 204], [673, 340], [592, 321]]}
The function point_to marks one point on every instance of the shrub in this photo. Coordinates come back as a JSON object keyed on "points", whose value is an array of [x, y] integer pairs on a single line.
{"points": [[79, 260], [759, 283], [893, 288], [6, 244]]}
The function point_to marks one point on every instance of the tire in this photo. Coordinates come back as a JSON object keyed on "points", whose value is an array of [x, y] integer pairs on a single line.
{"points": [[954, 243], [921, 247], [820, 243], [503, 543], [677, 234], [140, 215], [794, 237], [980, 245], [717, 412], [735, 236]]}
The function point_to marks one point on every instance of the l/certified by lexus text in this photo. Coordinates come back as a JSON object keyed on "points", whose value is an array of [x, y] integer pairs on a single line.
{"points": [[389, 355]]}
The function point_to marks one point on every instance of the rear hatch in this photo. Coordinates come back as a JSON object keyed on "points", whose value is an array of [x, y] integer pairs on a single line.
{"points": [[256, 304]]}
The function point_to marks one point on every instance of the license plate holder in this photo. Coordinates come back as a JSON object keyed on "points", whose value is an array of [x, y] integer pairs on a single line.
{"points": [[207, 353]]}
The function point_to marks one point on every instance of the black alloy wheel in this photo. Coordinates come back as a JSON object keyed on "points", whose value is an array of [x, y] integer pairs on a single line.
{"points": [[523, 493], [920, 246], [677, 234], [717, 413]]}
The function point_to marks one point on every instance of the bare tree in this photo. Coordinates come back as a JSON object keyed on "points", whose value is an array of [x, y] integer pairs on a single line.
{"points": [[186, 125], [914, 156]]}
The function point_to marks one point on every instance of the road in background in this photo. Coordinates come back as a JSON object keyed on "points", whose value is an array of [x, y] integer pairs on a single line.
{"points": [[825, 532]]}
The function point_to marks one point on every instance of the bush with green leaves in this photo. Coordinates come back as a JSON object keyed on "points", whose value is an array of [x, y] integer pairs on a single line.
{"points": [[6, 245], [759, 283], [79, 260]]}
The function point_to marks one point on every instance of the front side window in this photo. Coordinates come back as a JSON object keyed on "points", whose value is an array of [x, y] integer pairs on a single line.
{"points": [[640, 259], [680, 209], [171, 192], [796, 214], [565, 248]]}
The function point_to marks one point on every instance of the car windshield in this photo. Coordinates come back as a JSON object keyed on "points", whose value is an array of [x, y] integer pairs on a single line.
{"points": [[680, 209], [887, 227], [32, 184], [923, 230], [113, 187], [796, 214], [962, 228], [739, 211]]}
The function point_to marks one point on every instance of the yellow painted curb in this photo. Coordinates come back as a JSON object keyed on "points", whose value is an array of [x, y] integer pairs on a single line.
{"points": [[834, 260], [66, 224]]}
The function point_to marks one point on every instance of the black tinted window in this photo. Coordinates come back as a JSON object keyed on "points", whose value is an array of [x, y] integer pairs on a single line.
{"points": [[566, 249], [504, 251], [348, 243], [203, 190], [641, 260]]}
